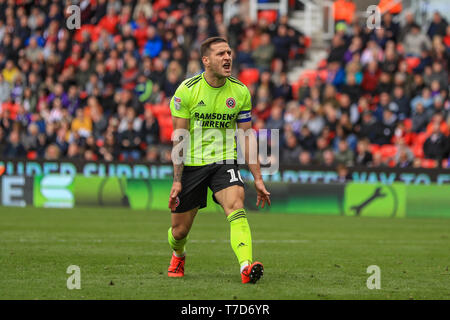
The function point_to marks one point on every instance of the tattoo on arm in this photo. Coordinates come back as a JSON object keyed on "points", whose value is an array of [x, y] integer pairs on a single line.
{"points": [[177, 168], [177, 172]]}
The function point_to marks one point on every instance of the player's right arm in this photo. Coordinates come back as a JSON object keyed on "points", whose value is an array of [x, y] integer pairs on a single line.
{"points": [[179, 108], [178, 166]]}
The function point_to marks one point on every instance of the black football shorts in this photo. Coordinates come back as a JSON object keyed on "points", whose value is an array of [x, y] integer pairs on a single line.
{"points": [[196, 180]]}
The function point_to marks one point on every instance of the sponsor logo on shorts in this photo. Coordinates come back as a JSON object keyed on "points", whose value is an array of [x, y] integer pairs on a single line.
{"points": [[231, 103], [177, 202]]}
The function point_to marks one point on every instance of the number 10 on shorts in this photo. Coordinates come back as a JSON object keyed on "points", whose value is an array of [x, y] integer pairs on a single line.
{"points": [[233, 175]]}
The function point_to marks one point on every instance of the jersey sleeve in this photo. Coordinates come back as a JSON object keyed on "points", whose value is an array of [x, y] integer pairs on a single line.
{"points": [[245, 114], [179, 104]]}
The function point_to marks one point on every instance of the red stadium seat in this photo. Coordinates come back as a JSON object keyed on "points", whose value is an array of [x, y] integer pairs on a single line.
{"points": [[388, 151], [322, 64], [269, 15], [308, 42], [309, 76], [412, 62], [165, 134], [176, 14], [160, 4], [400, 49], [408, 124], [323, 75], [391, 163], [31, 155], [295, 87], [165, 121], [421, 138], [374, 148], [429, 163], [160, 110], [249, 76], [418, 151]]}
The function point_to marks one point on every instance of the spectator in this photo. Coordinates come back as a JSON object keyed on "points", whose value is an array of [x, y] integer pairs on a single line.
{"points": [[282, 42], [343, 173], [368, 126], [292, 150], [435, 146], [363, 156], [439, 74], [378, 160], [264, 53], [425, 99], [345, 154], [275, 121], [73, 152], [304, 158], [5, 89], [31, 140], [10, 72], [129, 142], [438, 119], [152, 154], [328, 158], [404, 157], [415, 42], [150, 129], [154, 43], [401, 103], [52, 152], [81, 125], [244, 57], [385, 130], [338, 50], [307, 141], [438, 26], [283, 89], [14, 148], [344, 11], [371, 77]]}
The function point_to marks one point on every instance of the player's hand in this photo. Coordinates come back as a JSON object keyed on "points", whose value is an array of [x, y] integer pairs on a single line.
{"points": [[176, 189], [263, 195]]}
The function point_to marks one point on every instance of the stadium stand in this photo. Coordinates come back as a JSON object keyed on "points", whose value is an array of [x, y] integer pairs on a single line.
{"points": [[102, 92]]}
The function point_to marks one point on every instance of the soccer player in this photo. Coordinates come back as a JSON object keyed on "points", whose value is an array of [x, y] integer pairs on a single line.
{"points": [[213, 103]]}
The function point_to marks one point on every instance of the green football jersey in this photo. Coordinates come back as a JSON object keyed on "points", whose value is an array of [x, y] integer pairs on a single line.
{"points": [[213, 114]]}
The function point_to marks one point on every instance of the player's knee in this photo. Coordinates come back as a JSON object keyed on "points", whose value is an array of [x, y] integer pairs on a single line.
{"points": [[180, 232], [235, 205]]}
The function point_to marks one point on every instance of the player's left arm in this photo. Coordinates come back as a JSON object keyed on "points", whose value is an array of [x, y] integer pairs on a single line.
{"points": [[248, 141]]}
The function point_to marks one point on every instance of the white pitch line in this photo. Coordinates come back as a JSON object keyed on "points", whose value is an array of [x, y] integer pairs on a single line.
{"points": [[280, 241], [140, 240]]}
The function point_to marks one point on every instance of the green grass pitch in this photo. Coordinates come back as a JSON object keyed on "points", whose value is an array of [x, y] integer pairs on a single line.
{"points": [[123, 254]]}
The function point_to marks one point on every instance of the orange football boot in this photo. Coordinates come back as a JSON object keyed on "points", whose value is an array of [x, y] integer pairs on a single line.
{"points": [[252, 273], [176, 267]]}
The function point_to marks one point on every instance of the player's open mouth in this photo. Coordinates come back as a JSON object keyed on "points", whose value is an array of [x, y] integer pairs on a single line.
{"points": [[227, 66]]}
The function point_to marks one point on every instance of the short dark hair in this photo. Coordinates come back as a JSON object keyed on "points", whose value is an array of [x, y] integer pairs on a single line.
{"points": [[206, 45]]}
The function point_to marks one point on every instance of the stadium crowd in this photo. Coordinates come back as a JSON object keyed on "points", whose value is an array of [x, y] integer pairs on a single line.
{"points": [[102, 92]]}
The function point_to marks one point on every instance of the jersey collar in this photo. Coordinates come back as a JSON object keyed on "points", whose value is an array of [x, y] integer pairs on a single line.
{"points": [[210, 86]]}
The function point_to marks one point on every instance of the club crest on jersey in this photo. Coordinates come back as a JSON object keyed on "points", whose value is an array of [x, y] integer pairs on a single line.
{"points": [[231, 103], [177, 102]]}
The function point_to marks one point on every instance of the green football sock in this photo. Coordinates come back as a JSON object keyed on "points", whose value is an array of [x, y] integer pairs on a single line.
{"points": [[177, 245], [240, 236]]}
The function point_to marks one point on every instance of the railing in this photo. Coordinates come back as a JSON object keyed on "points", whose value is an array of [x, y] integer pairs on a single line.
{"points": [[230, 9], [255, 6]]}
